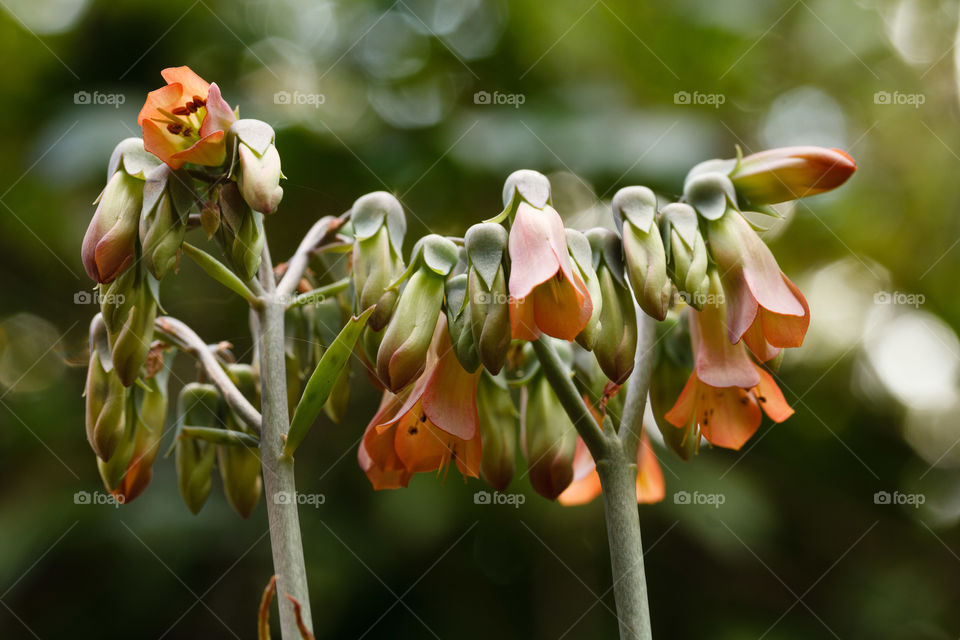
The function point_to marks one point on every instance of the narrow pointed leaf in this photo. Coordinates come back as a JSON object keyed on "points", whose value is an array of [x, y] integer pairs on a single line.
{"points": [[322, 380]]}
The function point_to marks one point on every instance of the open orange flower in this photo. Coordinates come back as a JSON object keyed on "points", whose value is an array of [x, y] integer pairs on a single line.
{"points": [[426, 426], [727, 390], [186, 121], [763, 306], [586, 481], [546, 294]]}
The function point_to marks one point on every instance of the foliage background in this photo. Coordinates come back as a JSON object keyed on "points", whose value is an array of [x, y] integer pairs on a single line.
{"points": [[799, 549]]}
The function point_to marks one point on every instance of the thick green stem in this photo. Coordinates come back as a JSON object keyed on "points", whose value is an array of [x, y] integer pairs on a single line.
{"points": [[616, 459], [278, 477], [618, 479]]}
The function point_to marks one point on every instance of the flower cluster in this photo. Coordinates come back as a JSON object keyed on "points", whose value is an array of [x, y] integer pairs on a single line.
{"points": [[197, 164], [452, 333]]}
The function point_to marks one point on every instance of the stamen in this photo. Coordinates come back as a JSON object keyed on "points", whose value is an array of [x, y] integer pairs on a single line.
{"points": [[182, 111], [174, 128]]}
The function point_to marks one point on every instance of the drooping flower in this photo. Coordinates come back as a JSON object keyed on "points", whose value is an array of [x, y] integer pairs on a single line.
{"points": [[586, 481], [109, 243], [727, 390], [789, 173], [186, 121], [426, 426], [763, 306], [547, 294]]}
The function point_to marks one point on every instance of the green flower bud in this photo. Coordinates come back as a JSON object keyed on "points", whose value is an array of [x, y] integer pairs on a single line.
{"points": [[379, 227], [149, 433], [113, 471], [582, 255], [110, 241], [458, 323], [167, 199], [256, 164], [498, 432], [549, 439], [129, 309], [199, 405], [403, 350], [635, 212], [525, 185], [686, 253], [240, 465], [105, 396], [488, 297], [241, 232], [616, 344]]}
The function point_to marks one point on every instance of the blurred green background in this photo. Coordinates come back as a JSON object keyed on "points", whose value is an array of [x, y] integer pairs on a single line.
{"points": [[437, 101]]}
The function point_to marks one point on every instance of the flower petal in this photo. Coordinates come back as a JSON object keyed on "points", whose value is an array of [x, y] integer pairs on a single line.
{"points": [[523, 325], [208, 151], [771, 398], [532, 255], [450, 397], [650, 484], [165, 98], [164, 146], [719, 363], [560, 309], [728, 417], [786, 330], [219, 114], [193, 85]]}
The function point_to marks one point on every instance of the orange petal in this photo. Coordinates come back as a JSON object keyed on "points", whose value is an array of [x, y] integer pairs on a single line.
{"points": [[728, 417], [581, 491], [650, 484], [469, 455], [193, 85], [523, 325], [450, 397], [419, 445], [786, 330], [166, 98], [559, 309], [532, 256], [161, 144], [378, 459], [684, 409], [771, 398], [719, 363], [208, 151], [757, 342]]}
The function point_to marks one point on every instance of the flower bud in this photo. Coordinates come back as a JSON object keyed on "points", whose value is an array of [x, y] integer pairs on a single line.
{"points": [[458, 323], [112, 471], [199, 405], [403, 351], [549, 439], [105, 396], [616, 344], [109, 243], [686, 253], [149, 432], [498, 432], [788, 173], [582, 257], [240, 465], [379, 226], [129, 309], [635, 212], [241, 232], [487, 293], [525, 185], [162, 225], [256, 164]]}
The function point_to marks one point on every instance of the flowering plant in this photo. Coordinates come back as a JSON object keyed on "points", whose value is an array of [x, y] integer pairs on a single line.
{"points": [[520, 332]]}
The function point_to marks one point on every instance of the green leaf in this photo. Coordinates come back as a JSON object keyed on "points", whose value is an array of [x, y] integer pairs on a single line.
{"points": [[219, 272], [318, 387]]}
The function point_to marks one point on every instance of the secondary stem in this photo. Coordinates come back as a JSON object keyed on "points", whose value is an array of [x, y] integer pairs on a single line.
{"points": [[278, 476]]}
